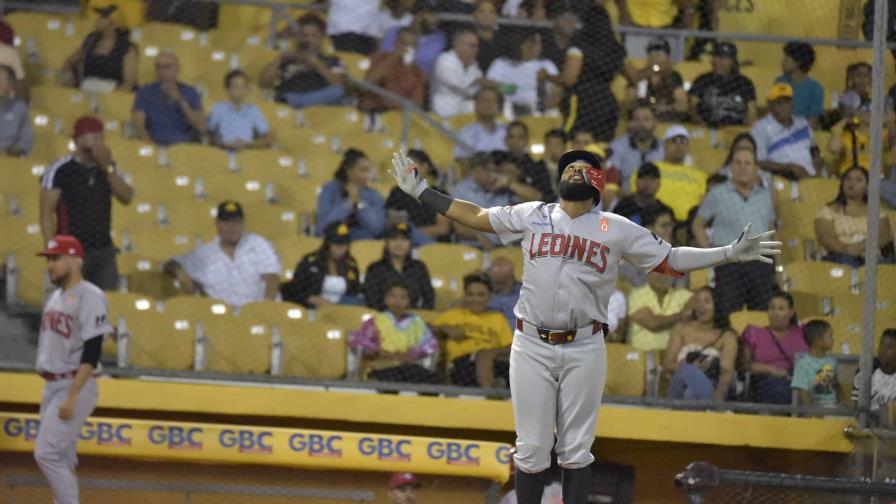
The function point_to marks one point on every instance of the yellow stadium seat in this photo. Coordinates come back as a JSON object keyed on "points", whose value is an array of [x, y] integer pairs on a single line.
{"points": [[253, 56], [156, 243], [346, 317], [329, 119], [807, 302], [366, 252], [215, 187], [50, 37], [29, 274], [513, 254], [196, 308], [272, 313], [197, 158], [131, 155], [20, 189], [356, 65], [20, 234], [819, 277], [158, 186], [191, 218], [291, 250], [690, 70], [886, 282], [302, 143], [817, 191], [115, 105], [271, 221], [448, 263], [538, 126], [459, 121], [698, 278], [377, 146], [313, 350], [122, 307], [234, 345], [160, 341], [144, 276], [782, 189], [626, 371], [741, 319], [62, 104], [280, 117]]}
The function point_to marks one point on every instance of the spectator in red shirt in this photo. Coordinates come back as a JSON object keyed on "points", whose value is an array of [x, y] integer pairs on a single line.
{"points": [[396, 72]]}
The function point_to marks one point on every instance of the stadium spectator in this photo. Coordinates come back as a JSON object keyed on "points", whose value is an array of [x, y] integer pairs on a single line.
{"points": [[557, 43], [657, 84], [200, 14], [456, 77], [352, 25], [305, 76], [432, 40], [491, 43], [592, 62], [427, 225], [394, 341], [16, 134], [395, 71], [858, 88], [107, 60], [76, 199], [701, 353], [883, 374], [580, 139], [403, 489], [397, 265], [723, 97], [653, 14], [509, 176], [506, 288], [554, 147], [654, 309], [237, 267], [633, 206], [486, 134], [660, 221], [783, 140], [852, 145], [769, 353], [743, 141], [808, 93], [638, 146], [617, 317], [480, 187], [731, 206], [683, 185], [841, 226], [328, 275], [9, 56], [168, 111], [533, 175], [815, 372], [394, 13], [349, 200], [235, 124], [525, 78], [476, 338]]}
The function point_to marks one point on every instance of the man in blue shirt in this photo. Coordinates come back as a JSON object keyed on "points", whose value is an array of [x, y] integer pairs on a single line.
{"points": [[481, 187], [168, 111], [808, 94], [505, 288], [235, 124]]}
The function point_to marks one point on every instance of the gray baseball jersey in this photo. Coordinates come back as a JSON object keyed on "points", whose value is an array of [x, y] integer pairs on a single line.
{"points": [[69, 319], [569, 275]]}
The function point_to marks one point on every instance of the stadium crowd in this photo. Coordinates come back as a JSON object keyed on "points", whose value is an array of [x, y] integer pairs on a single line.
{"points": [[496, 77]]}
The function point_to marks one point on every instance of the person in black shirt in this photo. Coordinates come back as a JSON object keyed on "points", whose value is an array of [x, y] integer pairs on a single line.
{"points": [[398, 265], [76, 199], [633, 206], [327, 276], [107, 54], [427, 225], [533, 175], [723, 97], [556, 42], [305, 76]]}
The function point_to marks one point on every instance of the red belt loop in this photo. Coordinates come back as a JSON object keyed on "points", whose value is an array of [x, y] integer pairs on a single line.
{"points": [[61, 376]]}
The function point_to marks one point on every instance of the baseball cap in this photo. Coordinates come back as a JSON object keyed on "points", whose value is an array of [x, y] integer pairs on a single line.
{"points": [[659, 44], [229, 211], [398, 229], [85, 125], [63, 245], [648, 170], [725, 50], [780, 90], [338, 233], [676, 130], [402, 479]]}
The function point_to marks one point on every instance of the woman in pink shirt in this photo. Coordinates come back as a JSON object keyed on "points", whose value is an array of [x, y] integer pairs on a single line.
{"points": [[769, 352]]}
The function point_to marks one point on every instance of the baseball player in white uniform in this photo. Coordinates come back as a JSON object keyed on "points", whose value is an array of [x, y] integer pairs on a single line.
{"points": [[71, 337], [571, 253]]}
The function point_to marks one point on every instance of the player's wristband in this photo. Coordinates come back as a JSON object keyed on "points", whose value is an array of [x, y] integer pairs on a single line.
{"points": [[436, 200]]}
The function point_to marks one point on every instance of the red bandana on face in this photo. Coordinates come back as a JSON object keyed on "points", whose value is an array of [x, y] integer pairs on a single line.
{"points": [[595, 177]]}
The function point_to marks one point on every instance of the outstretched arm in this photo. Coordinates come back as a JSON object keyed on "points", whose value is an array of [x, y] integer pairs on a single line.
{"points": [[408, 178], [743, 249]]}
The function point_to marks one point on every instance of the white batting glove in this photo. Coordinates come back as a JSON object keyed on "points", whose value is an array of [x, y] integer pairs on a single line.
{"points": [[755, 248], [406, 174]]}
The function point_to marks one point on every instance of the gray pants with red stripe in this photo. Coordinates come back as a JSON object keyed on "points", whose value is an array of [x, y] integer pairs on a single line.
{"points": [[556, 388], [54, 449]]}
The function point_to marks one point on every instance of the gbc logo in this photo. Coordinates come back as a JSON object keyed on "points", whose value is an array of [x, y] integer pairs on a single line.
{"points": [[385, 448], [502, 455], [27, 428], [316, 445], [107, 434], [247, 441], [176, 438], [454, 453]]}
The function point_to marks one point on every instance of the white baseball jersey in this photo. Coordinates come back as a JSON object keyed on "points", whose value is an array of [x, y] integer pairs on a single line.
{"points": [[69, 319], [570, 265]]}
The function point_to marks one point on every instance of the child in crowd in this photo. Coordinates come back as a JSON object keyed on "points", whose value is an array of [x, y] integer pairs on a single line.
{"points": [[235, 124], [394, 341], [815, 373]]}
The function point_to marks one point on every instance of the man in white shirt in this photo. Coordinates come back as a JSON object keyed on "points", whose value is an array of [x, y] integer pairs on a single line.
{"points": [[525, 76], [783, 140], [236, 267], [456, 76], [486, 134], [354, 25]]}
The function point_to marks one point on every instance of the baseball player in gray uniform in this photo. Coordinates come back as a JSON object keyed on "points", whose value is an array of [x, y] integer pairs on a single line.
{"points": [[571, 253], [71, 337]]}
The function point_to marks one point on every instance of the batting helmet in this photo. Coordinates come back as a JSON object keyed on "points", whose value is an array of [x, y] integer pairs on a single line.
{"points": [[594, 174]]}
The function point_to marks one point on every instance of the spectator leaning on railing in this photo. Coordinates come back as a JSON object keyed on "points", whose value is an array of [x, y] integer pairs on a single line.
{"points": [[235, 124], [168, 111], [16, 134]]}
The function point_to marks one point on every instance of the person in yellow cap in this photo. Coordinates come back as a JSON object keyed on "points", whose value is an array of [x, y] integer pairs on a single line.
{"points": [[783, 140]]}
